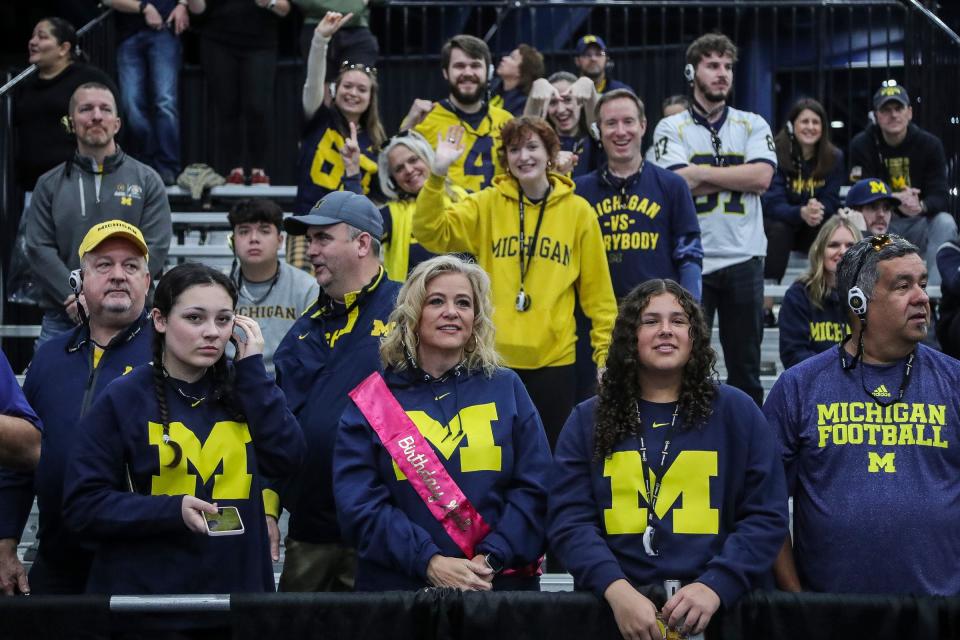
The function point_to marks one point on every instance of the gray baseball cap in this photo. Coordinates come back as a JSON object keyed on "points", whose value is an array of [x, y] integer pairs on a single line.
{"points": [[339, 206]]}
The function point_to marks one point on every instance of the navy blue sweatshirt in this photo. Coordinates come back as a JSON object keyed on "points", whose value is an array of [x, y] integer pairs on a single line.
{"points": [[590, 155], [649, 224], [789, 191], [948, 327], [120, 493], [875, 489], [12, 401], [320, 167], [721, 513], [326, 353], [487, 434], [805, 330], [62, 383]]}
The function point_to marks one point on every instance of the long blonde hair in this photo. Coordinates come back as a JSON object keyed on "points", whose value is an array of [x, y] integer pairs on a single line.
{"points": [[815, 277], [400, 344]]}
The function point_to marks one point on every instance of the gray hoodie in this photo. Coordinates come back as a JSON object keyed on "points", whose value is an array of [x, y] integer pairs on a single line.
{"points": [[74, 196]]}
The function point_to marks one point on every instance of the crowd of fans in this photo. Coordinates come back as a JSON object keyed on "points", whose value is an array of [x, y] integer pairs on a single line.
{"points": [[413, 406]]}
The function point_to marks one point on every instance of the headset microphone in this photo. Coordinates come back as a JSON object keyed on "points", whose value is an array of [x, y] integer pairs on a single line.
{"points": [[857, 301], [76, 281], [76, 284]]}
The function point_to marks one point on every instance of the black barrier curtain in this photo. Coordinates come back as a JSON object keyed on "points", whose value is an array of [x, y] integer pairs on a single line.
{"points": [[450, 615], [438, 614]]}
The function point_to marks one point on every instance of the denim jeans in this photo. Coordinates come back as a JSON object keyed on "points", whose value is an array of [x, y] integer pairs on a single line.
{"points": [[928, 233], [736, 294], [53, 324], [148, 63]]}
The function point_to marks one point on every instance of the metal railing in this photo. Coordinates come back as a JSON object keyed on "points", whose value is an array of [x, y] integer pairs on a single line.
{"points": [[96, 41], [836, 51]]}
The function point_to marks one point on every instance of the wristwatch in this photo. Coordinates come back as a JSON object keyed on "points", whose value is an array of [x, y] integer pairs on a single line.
{"points": [[143, 5], [493, 562]]}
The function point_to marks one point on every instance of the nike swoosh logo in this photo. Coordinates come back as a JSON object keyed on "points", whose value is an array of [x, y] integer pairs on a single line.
{"points": [[660, 424], [439, 398], [304, 335]]}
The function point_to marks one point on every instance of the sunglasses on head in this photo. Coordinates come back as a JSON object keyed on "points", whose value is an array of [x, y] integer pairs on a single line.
{"points": [[346, 65], [880, 241]]}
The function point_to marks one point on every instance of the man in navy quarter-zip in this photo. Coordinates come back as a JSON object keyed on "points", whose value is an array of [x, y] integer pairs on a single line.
{"points": [[328, 351], [99, 183], [67, 374]]}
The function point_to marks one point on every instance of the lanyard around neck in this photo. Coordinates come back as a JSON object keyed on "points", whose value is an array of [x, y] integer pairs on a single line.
{"points": [[525, 264]]}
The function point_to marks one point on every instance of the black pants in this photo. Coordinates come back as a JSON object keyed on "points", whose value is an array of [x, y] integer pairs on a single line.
{"points": [[782, 238], [63, 574], [736, 294], [240, 85], [552, 390]]}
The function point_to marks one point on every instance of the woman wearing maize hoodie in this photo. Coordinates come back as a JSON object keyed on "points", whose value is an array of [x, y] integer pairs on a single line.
{"points": [[533, 290]]}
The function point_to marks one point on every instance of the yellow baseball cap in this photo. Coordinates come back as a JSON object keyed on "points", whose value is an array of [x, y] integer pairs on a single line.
{"points": [[109, 229]]}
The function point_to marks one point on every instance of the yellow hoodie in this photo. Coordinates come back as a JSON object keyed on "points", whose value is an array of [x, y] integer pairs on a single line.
{"points": [[569, 257]]}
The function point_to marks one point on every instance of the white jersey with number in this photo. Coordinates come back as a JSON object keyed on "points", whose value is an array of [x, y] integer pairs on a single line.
{"points": [[731, 222]]}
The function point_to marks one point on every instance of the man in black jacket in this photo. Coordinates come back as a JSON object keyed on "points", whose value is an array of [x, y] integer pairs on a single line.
{"points": [[912, 162]]}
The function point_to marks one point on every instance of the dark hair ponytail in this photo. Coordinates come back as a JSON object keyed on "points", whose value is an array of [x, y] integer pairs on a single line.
{"points": [[169, 289], [63, 31]]}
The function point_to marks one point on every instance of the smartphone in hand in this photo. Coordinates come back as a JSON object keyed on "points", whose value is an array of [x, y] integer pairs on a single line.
{"points": [[225, 522]]}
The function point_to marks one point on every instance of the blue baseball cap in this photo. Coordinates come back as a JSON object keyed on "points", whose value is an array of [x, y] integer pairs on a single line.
{"points": [[588, 40], [870, 190], [339, 206], [890, 91]]}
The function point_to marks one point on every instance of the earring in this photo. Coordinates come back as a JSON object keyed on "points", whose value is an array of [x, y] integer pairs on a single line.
{"points": [[473, 337], [416, 338]]}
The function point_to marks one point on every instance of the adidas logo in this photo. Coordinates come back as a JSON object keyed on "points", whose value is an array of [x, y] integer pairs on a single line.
{"points": [[881, 392]]}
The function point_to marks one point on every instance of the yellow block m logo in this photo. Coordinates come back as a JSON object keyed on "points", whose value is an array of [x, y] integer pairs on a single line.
{"points": [[877, 187], [381, 328], [878, 462], [476, 421], [225, 449], [688, 477]]}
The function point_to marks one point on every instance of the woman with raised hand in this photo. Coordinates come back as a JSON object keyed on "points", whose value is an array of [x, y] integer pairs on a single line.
{"points": [[171, 442], [342, 134], [404, 166], [541, 245], [666, 475], [813, 316], [440, 464]]}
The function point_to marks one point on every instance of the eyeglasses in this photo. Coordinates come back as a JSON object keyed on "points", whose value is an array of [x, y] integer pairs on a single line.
{"points": [[346, 65]]}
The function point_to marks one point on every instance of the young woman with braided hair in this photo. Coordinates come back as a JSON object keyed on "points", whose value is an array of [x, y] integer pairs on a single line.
{"points": [[666, 475], [176, 439]]}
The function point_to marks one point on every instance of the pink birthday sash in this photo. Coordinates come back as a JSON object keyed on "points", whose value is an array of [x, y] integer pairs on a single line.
{"points": [[420, 464]]}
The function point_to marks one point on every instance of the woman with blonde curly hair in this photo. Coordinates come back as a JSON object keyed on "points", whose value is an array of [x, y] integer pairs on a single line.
{"points": [[813, 316], [666, 475], [441, 462]]}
